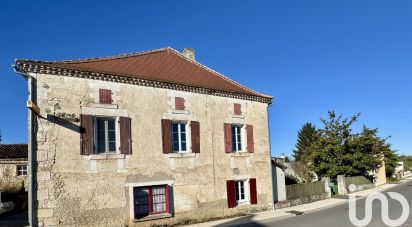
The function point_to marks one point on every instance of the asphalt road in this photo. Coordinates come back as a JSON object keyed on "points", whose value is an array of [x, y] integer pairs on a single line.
{"points": [[339, 215]]}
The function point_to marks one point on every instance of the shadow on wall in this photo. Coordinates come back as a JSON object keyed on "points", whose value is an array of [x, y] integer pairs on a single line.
{"points": [[244, 221]]}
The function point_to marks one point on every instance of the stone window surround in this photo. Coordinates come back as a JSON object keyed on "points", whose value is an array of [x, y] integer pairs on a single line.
{"points": [[246, 186], [106, 110], [130, 187]]}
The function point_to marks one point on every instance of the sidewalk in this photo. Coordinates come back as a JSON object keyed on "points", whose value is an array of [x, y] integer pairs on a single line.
{"points": [[305, 208]]}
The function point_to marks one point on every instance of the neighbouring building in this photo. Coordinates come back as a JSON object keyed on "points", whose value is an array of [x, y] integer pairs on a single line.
{"points": [[142, 136], [13, 166], [278, 180]]}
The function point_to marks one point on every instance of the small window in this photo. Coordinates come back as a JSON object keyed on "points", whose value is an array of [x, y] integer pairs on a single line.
{"points": [[21, 170], [240, 191], [106, 134], [151, 200], [237, 138], [105, 96], [237, 109], [179, 137], [179, 103]]}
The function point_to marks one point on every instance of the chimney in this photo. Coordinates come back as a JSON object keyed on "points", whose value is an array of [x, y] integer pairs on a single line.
{"points": [[189, 53]]}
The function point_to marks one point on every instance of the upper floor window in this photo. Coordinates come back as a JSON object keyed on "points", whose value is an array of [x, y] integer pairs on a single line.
{"points": [[237, 109], [106, 134], [21, 170], [179, 103], [236, 138], [179, 137], [105, 96]]}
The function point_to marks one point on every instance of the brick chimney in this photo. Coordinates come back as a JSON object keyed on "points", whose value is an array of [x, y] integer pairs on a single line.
{"points": [[189, 53]]}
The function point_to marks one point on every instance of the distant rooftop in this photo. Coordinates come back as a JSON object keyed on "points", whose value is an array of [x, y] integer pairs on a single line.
{"points": [[13, 151]]}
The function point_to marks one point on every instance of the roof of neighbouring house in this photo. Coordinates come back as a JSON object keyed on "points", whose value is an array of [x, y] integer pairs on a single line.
{"points": [[164, 65], [278, 164], [13, 151]]}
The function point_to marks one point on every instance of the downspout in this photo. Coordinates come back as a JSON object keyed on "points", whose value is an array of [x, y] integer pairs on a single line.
{"points": [[31, 137], [270, 152]]}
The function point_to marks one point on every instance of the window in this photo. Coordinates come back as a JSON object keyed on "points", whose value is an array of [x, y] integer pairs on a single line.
{"points": [[21, 170], [179, 137], [179, 103], [151, 200], [237, 138], [106, 134], [237, 109], [105, 96], [240, 191]]}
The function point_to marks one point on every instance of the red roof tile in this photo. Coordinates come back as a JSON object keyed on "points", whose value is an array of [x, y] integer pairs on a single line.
{"points": [[13, 151], [166, 65]]}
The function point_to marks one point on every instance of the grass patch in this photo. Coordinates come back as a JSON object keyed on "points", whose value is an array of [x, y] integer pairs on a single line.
{"points": [[392, 180]]}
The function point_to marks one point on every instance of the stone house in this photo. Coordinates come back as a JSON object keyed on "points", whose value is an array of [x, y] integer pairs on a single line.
{"points": [[143, 136], [13, 166]]}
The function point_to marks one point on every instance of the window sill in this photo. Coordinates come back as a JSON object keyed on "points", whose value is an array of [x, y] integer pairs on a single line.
{"points": [[238, 116], [153, 217], [182, 155], [105, 156], [105, 106], [181, 112], [240, 154]]}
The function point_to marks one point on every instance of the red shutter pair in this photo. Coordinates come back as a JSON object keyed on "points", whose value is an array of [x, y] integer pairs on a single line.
{"points": [[231, 193], [179, 103], [87, 135], [105, 96], [167, 136], [228, 138], [237, 109]]}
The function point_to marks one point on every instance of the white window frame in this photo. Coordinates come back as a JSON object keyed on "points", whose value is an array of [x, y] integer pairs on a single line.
{"points": [[23, 171], [235, 148], [117, 135], [188, 148], [238, 184]]}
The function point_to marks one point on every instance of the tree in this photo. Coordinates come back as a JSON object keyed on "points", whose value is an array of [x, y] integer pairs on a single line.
{"points": [[306, 137], [338, 151], [390, 158], [0, 136]]}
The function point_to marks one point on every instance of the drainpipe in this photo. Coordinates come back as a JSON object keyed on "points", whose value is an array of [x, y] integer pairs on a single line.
{"points": [[270, 154], [31, 137]]}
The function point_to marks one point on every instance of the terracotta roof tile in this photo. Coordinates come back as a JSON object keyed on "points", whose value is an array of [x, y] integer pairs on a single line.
{"points": [[166, 65], [13, 151]]}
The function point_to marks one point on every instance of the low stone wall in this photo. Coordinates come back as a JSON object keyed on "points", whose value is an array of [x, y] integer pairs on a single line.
{"points": [[301, 200]]}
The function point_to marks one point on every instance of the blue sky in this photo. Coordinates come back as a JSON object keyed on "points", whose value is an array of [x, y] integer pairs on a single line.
{"points": [[312, 56]]}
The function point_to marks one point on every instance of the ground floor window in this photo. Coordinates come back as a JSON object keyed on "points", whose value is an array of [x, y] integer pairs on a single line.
{"points": [[151, 200], [240, 191], [21, 170]]}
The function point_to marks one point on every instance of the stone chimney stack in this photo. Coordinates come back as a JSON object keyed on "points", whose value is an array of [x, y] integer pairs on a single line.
{"points": [[189, 53]]}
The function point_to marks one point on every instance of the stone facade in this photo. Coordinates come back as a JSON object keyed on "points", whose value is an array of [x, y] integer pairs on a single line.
{"points": [[96, 190]]}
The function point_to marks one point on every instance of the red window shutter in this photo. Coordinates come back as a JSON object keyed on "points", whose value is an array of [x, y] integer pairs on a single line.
{"points": [[228, 138], [167, 189], [231, 196], [195, 134], [249, 134], [237, 109], [125, 135], [253, 192], [179, 103], [167, 136], [150, 200], [86, 134], [105, 96]]}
